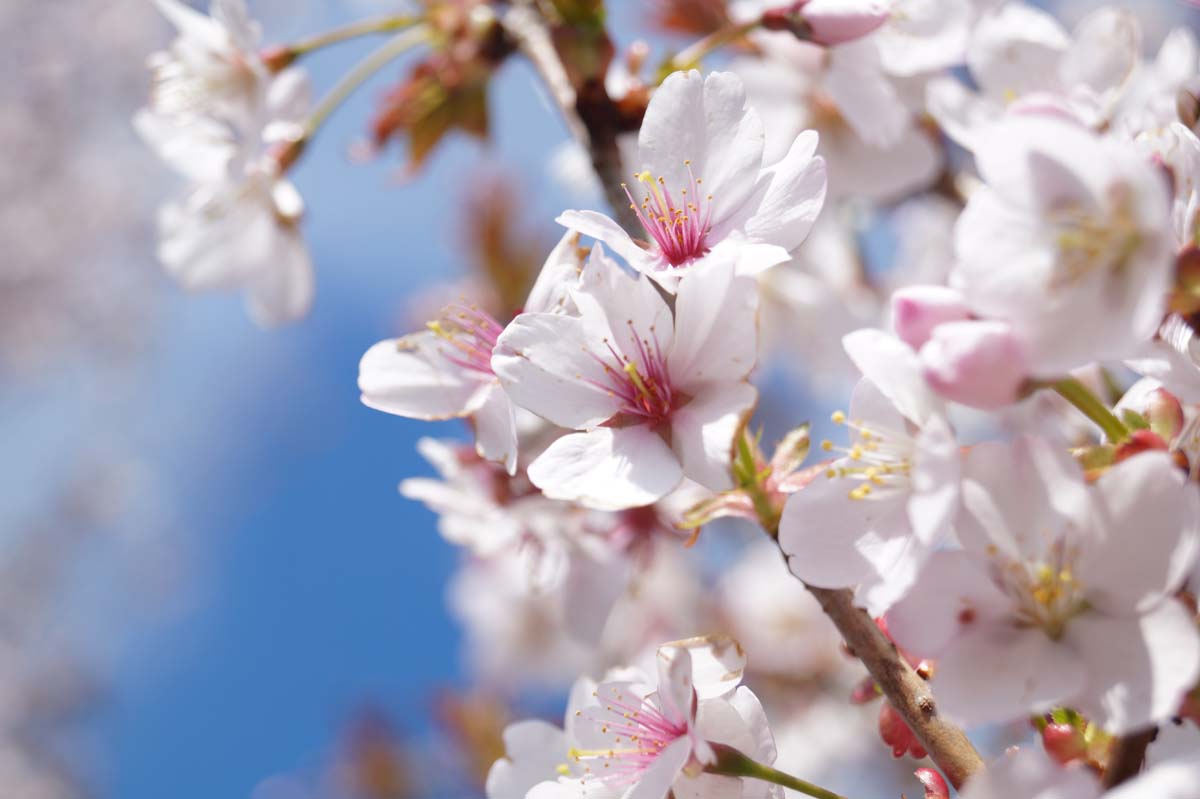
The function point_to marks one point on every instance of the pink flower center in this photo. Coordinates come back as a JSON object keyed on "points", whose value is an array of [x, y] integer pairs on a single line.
{"points": [[637, 732], [678, 227], [642, 382], [471, 333]]}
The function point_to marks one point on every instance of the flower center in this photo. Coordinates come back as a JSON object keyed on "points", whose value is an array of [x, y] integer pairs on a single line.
{"points": [[1046, 591], [679, 226], [1088, 241], [471, 334], [637, 732], [642, 381], [878, 460]]}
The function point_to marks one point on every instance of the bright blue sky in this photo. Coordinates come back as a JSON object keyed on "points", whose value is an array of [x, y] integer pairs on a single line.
{"points": [[318, 588]]}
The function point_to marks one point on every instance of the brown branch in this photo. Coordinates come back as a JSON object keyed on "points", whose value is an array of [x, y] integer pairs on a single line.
{"points": [[591, 116], [1127, 756], [905, 689]]}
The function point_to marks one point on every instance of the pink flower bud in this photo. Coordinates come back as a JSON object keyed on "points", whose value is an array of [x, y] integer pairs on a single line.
{"points": [[977, 363], [896, 734], [1139, 441], [1164, 413], [839, 21], [1064, 743], [917, 310], [935, 784]]}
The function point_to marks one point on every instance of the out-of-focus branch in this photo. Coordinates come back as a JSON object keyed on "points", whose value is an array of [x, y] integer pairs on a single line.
{"points": [[909, 694], [1128, 755], [593, 118]]}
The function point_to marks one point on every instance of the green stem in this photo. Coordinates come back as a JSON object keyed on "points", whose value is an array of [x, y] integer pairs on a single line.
{"points": [[364, 27], [394, 48], [691, 55], [732, 763], [1090, 406]]}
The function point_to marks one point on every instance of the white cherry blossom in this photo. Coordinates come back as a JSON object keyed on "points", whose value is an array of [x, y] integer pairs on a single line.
{"points": [[656, 396], [1063, 592], [703, 193]]}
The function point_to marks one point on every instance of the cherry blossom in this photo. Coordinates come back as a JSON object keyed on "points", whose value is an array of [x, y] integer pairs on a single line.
{"points": [[446, 372], [655, 398], [1062, 594], [703, 193]]}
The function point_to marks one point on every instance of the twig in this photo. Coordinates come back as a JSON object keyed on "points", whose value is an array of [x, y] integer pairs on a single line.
{"points": [[592, 120], [1128, 755], [909, 694]]}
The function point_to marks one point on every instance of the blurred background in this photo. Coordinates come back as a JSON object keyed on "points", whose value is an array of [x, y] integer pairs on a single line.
{"points": [[209, 585]]}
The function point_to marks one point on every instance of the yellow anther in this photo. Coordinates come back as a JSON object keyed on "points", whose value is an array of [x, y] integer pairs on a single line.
{"points": [[827, 445], [861, 492], [563, 769], [837, 417]]}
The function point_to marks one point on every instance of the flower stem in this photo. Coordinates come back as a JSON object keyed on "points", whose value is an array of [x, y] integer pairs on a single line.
{"points": [[690, 56], [1090, 406], [352, 31], [732, 763], [394, 48]]}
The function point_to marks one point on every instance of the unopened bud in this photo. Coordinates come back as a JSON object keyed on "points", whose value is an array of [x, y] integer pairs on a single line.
{"points": [[1139, 441], [840, 21], [896, 734], [935, 784], [277, 57], [917, 310], [1064, 743], [1164, 412], [791, 452], [982, 364]]}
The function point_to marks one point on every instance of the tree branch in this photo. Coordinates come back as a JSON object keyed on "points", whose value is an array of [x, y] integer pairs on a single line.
{"points": [[909, 694], [1128, 755], [592, 117]]}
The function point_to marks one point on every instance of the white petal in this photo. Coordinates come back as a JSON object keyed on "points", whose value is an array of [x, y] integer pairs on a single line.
{"points": [[410, 377], [496, 428], [282, 291], [1175, 779], [544, 364], [717, 664], [622, 307], [865, 97], [715, 336], [533, 749], [705, 121], [894, 368], [1138, 669], [655, 781], [704, 430], [198, 148], [607, 469], [937, 468], [559, 274], [996, 673], [1016, 51], [793, 194], [675, 691], [601, 228]]}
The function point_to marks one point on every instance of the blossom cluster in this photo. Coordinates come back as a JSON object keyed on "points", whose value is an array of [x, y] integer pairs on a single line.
{"points": [[1012, 488]]}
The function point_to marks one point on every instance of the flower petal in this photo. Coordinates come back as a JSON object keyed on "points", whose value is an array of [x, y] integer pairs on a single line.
{"points": [[607, 468], [715, 337], [496, 428], [411, 377], [703, 432]]}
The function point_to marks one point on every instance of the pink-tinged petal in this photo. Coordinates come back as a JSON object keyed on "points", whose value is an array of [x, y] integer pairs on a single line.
{"points": [[717, 664], [1145, 534], [533, 751], [496, 428], [559, 274], [840, 21], [654, 782], [893, 367], [703, 432], [999, 672], [1137, 669], [704, 120], [601, 228], [833, 541], [952, 596], [917, 310], [607, 468], [411, 377], [624, 307], [715, 336], [544, 364], [675, 689], [978, 363], [793, 194], [936, 471]]}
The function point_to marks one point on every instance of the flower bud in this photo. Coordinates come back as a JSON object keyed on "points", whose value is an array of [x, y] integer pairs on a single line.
{"points": [[935, 784], [790, 452], [1164, 412], [896, 734], [1064, 743], [1139, 441], [840, 21], [982, 364], [917, 310]]}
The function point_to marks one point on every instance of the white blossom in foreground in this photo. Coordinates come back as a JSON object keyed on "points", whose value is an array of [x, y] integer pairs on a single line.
{"points": [[1029, 772], [1069, 244], [655, 398], [1063, 593], [703, 193], [880, 509], [640, 737], [445, 372]]}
